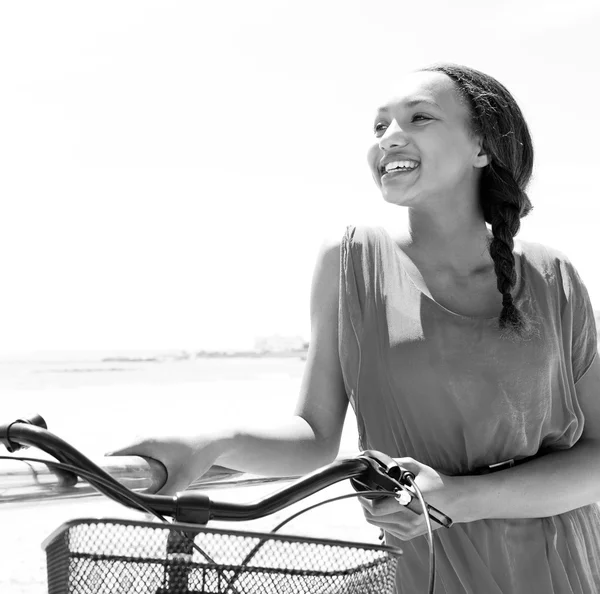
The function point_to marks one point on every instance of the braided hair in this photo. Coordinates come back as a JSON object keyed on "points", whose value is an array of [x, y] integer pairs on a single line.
{"points": [[495, 117]]}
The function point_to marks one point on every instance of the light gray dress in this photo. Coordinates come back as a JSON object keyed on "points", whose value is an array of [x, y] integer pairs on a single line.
{"points": [[444, 389]]}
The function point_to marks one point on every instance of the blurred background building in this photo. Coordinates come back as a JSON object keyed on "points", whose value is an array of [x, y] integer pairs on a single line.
{"points": [[277, 343]]}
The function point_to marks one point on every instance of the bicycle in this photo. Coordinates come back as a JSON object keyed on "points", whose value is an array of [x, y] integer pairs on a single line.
{"points": [[102, 556]]}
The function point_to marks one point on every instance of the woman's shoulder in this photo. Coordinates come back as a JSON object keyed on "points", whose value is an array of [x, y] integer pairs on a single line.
{"points": [[362, 233], [355, 237], [549, 264], [344, 239], [540, 255]]}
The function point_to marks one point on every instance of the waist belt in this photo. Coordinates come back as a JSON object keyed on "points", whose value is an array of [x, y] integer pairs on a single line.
{"points": [[501, 465]]}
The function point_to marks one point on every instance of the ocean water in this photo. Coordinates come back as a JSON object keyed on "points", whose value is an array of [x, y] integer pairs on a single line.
{"points": [[99, 404]]}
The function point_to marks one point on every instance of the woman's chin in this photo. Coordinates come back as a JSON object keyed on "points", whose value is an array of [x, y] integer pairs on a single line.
{"points": [[398, 198]]}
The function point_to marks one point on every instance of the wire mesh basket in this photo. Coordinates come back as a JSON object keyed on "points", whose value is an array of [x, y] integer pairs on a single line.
{"points": [[92, 556]]}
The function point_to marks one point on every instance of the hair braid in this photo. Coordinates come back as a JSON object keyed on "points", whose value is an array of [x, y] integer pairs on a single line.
{"points": [[496, 118], [505, 219]]}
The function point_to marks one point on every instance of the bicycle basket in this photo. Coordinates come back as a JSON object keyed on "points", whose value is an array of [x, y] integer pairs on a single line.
{"points": [[92, 556]]}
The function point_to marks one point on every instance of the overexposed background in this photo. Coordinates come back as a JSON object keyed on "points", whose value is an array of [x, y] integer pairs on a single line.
{"points": [[168, 170]]}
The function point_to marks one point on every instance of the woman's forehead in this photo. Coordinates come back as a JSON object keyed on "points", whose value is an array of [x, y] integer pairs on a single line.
{"points": [[433, 87]]}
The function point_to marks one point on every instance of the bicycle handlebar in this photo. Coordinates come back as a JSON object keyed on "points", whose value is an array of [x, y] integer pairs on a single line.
{"points": [[368, 471], [196, 507]]}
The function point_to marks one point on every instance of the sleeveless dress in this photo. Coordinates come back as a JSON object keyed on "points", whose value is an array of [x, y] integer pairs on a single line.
{"points": [[446, 390]]}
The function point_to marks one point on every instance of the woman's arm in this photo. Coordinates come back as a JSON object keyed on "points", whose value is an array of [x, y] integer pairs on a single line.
{"points": [[310, 438], [545, 486], [293, 444], [549, 485]]}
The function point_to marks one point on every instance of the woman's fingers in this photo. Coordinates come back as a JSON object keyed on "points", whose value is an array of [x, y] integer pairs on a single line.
{"points": [[387, 505], [185, 457], [407, 521], [401, 526], [390, 516], [396, 515], [164, 452], [399, 520], [138, 447], [171, 488]]}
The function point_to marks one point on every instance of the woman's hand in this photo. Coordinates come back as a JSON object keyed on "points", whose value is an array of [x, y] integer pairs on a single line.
{"points": [[186, 458], [443, 492]]}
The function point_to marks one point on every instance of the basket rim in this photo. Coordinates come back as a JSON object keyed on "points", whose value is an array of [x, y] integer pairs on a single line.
{"points": [[66, 526]]}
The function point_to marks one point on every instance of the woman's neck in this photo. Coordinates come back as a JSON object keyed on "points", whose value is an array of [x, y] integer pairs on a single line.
{"points": [[454, 242]]}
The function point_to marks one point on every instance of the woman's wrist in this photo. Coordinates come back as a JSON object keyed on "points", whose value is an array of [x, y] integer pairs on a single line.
{"points": [[222, 443], [468, 499]]}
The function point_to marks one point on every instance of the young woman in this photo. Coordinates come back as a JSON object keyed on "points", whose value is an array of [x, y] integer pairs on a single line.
{"points": [[458, 349]]}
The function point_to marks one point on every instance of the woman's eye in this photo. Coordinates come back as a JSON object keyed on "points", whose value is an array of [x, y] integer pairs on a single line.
{"points": [[380, 127]]}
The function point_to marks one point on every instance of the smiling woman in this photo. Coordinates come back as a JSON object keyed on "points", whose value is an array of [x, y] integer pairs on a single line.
{"points": [[472, 111], [468, 357], [471, 385]]}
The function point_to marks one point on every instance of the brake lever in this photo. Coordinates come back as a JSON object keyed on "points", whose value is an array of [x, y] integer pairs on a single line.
{"points": [[383, 473]]}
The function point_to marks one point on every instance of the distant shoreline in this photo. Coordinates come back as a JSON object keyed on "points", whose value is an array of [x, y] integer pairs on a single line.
{"points": [[80, 357], [292, 354]]}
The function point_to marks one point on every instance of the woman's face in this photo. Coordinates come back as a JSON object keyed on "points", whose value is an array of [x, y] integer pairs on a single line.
{"points": [[425, 123]]}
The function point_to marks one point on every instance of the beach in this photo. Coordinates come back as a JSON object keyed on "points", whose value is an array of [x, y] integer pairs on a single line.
{"points": [[98, 402]]}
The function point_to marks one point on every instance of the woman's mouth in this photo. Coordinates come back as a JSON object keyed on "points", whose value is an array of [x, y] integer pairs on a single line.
{"points": [[397, 173]]}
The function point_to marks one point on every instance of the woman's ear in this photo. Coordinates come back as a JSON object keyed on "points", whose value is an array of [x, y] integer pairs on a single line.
{"points": [[482, 158]]}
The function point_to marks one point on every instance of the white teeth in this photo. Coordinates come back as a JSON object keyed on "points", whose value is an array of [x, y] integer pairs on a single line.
{"points": [[401, 165]]}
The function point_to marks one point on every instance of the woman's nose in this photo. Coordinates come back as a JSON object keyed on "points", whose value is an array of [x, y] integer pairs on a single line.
{"points": [[393, 137]]}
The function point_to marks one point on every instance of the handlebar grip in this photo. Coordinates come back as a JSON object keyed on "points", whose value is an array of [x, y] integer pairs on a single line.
{"points": [[11, 446]]}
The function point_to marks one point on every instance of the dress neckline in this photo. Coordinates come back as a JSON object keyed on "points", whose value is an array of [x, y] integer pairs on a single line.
{"points": [[412, 272]]}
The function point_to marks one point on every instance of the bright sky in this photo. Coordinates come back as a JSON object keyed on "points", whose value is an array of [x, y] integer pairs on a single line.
{"points": [[169, 170]]}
